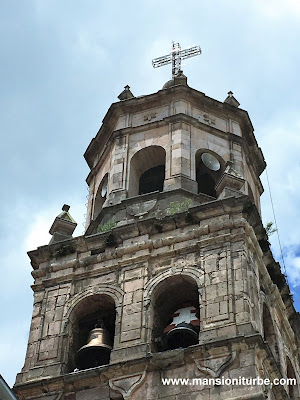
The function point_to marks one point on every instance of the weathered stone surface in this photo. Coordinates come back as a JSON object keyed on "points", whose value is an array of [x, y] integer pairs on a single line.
{"points": [[144, 257]]}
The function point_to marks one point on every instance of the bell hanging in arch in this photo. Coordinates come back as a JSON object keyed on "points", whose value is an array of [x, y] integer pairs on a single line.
{"points": [[183, 330], [182, 336], [97, 351]]}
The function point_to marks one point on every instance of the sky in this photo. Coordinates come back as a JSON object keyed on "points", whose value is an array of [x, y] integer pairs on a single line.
{"points": [[64, 62]]}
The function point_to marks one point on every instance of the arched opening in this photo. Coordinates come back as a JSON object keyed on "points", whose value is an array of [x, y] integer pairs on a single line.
{"points": [[269, 332], [152, 180], [209, 168], [176, 319], [147, 171], [92, 332], [100, 196], [292, 381]]}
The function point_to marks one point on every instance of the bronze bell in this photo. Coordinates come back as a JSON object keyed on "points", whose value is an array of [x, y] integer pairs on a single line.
{"points": [[182, 336], [183, 330], [96, 352]]}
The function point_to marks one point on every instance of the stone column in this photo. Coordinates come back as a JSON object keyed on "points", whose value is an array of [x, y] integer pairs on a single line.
{"points": [[180, 163]]}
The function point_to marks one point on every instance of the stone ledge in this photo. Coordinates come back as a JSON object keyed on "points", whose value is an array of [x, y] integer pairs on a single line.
{"points": [[151, 361]]}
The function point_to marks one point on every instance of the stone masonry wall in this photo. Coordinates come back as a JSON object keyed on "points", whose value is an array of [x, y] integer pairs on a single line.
{"points": [[217, 253]]}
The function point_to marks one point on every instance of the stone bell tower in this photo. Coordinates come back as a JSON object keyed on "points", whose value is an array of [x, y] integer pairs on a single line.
{"points": [[174, 277]]}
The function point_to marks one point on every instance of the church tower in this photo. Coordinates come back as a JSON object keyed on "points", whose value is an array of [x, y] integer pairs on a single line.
{"points": [[174, 277]]}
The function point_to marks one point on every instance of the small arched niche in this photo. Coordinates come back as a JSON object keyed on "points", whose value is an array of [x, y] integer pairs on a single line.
{"points": [[91, 334], [209, 169], [100, 196], [292, 383], [175, 314], [147, 171], [269, 332]]}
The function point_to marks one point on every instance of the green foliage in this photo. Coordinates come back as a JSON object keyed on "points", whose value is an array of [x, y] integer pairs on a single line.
{"points": [[108, 226], [179, 206], [269, 228]]}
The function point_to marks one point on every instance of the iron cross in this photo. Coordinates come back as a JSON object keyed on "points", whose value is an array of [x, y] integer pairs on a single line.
{"points": [[175, 57]]}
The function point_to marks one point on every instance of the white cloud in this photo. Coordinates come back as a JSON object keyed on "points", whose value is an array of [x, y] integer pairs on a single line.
{"points": [[245, 49], [38, 233], [281, 146], [15, 292], [292, 262], [13, 346]]}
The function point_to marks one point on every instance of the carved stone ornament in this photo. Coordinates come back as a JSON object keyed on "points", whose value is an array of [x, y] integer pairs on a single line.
{"points": [[215, 366], [141, 208], [126, 94], [230, 99], [230, 180], [149, 117], [206, 119], [127, 384]]}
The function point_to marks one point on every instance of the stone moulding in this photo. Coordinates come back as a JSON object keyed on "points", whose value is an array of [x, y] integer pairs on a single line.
{"points": [[142, 208], [254, 396], [195, 273], [216, 372], [84, 244], [114, 292], [110, 374], [127, 384], [124, 255]]}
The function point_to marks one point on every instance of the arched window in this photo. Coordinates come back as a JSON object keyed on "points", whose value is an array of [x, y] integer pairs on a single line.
{"points": [[290, 374], [269, 332], [100, 196], [176, 319], [92, 332], [147, 171], [152, 180], [208, 171]]}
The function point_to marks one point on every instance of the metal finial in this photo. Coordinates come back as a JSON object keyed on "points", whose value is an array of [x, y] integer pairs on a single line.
{"points": [[175, 57]]}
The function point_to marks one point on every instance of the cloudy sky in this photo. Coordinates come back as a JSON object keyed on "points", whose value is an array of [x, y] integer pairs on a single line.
{"points": [[64, 62]]}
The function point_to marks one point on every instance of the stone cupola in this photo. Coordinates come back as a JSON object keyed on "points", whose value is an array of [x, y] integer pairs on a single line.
{"points": [[150, 146]]}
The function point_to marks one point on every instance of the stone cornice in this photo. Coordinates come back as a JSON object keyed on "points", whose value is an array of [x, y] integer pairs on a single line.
{"points": [[85, 243], [165, 97], [244, 224], [151, 362]]}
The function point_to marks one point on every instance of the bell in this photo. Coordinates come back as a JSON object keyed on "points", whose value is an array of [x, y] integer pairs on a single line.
{"points": [[183, 330], [96, 352], [182, 336]]}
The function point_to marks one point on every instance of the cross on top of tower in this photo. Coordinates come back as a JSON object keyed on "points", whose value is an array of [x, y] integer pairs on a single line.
{"points": [[175, 57]]}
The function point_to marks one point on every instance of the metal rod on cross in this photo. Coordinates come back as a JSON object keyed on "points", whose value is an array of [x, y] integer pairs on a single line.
{"points": [[175, 57]]}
